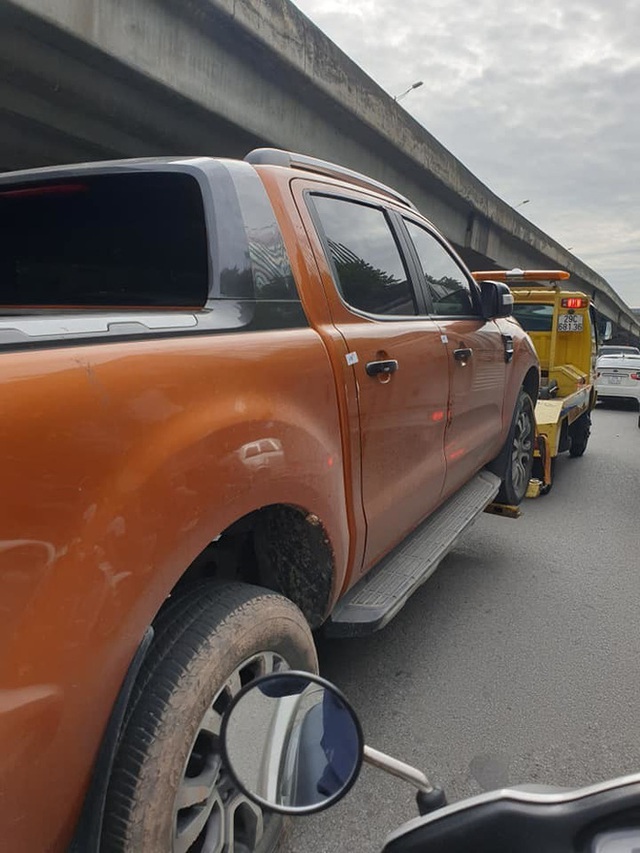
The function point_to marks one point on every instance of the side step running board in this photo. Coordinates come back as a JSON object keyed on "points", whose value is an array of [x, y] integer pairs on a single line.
{"points": [[377, 598]]}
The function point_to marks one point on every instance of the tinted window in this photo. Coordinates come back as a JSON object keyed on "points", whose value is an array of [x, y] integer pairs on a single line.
{"points": [[613, 350], [271, 277], [450, 291], [534, 318], [104, 240], [371, 274]]}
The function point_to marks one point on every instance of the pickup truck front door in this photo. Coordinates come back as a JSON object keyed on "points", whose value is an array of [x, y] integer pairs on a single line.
{"points": [[399, 362], [477, 359]]}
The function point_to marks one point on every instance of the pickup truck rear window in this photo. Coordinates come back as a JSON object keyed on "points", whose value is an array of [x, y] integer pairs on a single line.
{"points": [[534, 317], [116, 240]]}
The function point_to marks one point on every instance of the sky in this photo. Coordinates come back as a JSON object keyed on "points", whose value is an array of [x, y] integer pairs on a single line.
{"points": [[540, 100]]}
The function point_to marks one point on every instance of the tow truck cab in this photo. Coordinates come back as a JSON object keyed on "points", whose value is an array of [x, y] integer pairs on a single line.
{"points": [[562, 327]]}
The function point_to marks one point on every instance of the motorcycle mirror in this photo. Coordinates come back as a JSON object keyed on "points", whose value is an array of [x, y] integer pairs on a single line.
{"points": [[292, 742]]}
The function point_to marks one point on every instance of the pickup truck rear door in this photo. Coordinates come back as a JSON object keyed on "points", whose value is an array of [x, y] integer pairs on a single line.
{"points": [[399, 362], [477, 358]]}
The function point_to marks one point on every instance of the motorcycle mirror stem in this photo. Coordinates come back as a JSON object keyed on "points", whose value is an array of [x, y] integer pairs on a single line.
{"points": [[428, 797], [294, 745]]}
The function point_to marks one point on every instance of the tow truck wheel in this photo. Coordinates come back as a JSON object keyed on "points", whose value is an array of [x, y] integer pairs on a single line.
{"points": [[520, 443], [579, 433], [169, 791]]}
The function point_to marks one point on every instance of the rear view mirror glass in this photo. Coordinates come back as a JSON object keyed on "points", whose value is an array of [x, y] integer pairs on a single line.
{"points": [[292, 743]]}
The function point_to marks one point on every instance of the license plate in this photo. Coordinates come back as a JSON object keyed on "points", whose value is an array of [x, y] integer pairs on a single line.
{"points": [[570, 323], [614, 380]]}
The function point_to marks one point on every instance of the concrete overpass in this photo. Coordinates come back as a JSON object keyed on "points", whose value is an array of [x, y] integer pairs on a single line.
{"points": [[94, 79]]}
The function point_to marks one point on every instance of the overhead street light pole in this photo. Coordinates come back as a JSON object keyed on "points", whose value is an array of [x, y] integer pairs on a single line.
{"points": [[415, 85]]}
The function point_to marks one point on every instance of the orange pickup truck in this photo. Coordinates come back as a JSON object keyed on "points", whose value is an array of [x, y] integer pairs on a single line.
{"points": [[240, 400]]}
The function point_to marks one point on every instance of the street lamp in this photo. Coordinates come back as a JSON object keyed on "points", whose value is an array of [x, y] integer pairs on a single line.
{"points": [[526, 201], [415, 85]]}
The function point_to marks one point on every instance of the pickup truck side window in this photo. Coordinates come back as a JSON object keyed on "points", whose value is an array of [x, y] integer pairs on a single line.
{"points": [[447, 282], [371, 275]]}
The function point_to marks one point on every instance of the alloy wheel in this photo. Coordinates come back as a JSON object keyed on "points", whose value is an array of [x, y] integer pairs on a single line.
{"points": [[522, 452], [210, 814]]}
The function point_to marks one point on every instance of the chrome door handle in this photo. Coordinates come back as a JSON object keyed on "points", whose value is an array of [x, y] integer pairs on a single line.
{"points": [[375, 368], [463, 354]]}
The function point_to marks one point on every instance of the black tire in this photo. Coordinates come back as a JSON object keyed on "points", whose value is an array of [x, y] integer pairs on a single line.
{"points": [[519, 452], [209, 642], [579, 433]]}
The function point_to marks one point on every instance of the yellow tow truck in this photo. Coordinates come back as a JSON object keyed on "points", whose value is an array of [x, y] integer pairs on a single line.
{"points": [[562, 325]]}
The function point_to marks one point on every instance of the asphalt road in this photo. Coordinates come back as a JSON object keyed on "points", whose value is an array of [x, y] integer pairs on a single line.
{"points": [[518, 661]]}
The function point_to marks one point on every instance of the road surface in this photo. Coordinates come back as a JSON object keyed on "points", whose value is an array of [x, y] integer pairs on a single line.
{"points": [[518, 661]]}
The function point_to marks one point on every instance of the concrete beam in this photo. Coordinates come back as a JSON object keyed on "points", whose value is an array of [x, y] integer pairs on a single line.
{"points": [[138, 77]]}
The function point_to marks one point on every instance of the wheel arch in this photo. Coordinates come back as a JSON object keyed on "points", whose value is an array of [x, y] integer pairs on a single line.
{"points": [[256, 548], [531, 383], [88, 832], [282, 547]]}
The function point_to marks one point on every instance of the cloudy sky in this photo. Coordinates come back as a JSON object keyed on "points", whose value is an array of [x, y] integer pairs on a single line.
{"points": [[540, 100]]}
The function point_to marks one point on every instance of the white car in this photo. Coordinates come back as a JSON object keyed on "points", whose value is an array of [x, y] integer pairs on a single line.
{"points": [[618, 375]]}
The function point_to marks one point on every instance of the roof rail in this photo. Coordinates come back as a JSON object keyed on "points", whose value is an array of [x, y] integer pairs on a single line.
{"points": [[516, 275], [278, 157]]}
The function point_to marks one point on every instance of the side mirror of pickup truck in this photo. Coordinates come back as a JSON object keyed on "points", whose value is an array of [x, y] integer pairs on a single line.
{"points": [[496, 298]]}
